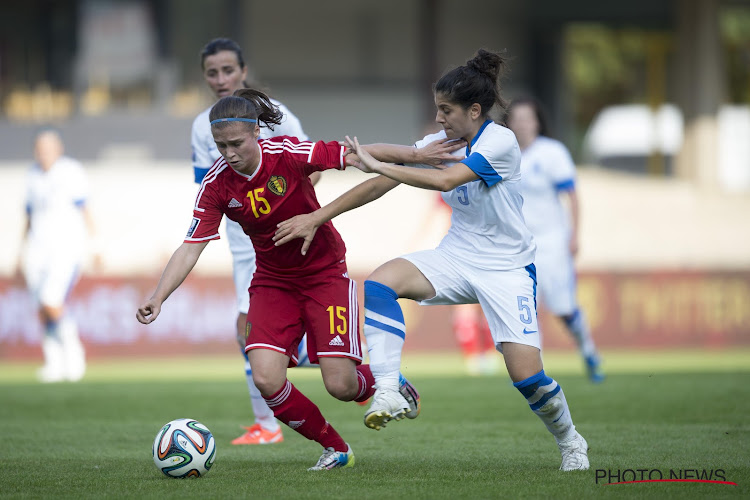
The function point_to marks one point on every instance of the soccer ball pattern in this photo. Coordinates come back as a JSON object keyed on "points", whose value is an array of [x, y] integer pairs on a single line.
{"points": [[184, 448]]}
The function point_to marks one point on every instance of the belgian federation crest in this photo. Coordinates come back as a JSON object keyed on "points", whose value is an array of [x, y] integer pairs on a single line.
{"points": [[277, 185]]}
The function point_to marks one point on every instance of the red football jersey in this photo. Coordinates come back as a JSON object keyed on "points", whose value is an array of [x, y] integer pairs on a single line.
{"points": [[278, 190]]}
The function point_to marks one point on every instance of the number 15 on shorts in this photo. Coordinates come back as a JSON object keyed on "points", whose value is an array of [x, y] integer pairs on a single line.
{"points": [[337, 319]]}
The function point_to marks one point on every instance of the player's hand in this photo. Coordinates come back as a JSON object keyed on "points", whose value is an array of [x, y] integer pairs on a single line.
{"points": [[148, 311], [300, 226], [439, 152], [366, 163]]}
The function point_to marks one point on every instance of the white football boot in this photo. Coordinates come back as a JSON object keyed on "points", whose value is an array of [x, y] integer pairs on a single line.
{"points": [[574, 454], [331, 459]]}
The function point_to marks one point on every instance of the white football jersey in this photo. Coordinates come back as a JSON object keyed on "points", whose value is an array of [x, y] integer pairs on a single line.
{"points": [[53, 202], [546, 169], [487, 226], [205, 152]]}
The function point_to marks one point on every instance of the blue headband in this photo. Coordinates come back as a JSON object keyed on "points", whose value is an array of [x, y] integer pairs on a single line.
{"points": [[249, 120]]}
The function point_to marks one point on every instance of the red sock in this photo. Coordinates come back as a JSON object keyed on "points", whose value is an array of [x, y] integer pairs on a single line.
{"points": [[366, 383], [295, 410]]}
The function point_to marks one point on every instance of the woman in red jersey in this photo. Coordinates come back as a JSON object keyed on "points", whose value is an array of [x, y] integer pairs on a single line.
{"points": [[259, 183]]}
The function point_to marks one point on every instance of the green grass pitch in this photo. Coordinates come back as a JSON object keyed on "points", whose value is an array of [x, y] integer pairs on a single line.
{"points": [[475, 438]]}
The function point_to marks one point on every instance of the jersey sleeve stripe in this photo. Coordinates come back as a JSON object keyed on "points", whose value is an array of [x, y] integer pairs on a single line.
{"points": [[310, 156], [211, 176], [566, 185], [482, 168], [205, 238]]}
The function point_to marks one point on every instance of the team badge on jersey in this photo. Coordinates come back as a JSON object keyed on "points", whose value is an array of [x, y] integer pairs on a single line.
{"points": [[193, 227], [277, 185]]}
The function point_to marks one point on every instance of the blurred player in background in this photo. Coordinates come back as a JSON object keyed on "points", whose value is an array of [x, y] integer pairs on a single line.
{"points": [[486, 257], [225, 72], [55, 245], [547, 176], [259, 183]]}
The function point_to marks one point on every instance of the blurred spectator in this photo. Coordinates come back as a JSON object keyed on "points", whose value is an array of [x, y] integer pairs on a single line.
{"points": [[547, 175], [55, 242]]}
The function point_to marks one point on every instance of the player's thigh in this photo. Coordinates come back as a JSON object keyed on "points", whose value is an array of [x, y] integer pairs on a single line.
{"points": [[274, 321], [403, 277], [508, 301], [448, 278], [57, 282], [331, 318]]}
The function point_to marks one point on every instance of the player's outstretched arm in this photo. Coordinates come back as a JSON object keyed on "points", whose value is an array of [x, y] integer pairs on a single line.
{"points": [[305, 225], [440, 180], [436, 153], [179, 266]]}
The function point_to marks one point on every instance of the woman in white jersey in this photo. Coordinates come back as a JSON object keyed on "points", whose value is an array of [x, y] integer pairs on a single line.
{"points": [[225, 72], [486, 257], [547, 175], [57, 229]]}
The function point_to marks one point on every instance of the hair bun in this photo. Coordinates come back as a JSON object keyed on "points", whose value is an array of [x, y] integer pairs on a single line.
{"points": [[487, 63]]}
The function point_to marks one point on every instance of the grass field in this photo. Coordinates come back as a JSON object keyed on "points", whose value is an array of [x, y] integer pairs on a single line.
{"points": [[476, 437]]}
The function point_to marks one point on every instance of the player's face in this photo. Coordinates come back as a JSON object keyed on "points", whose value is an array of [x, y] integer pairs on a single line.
{"points": [[238, 144], [223, 73], [456, 121], [522, 121], [48, 149]]}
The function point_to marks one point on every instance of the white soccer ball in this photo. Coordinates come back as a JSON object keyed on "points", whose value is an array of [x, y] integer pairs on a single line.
{"points": [[184, 448]]}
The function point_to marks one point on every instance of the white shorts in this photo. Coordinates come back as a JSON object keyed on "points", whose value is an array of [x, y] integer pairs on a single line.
{"points": [[556, 276], [508, 298], [51, 276], [243, 263]]}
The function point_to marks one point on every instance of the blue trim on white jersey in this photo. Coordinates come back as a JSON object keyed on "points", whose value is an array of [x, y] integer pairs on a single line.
{"points": [[478, 163], [480, 166], [476, 137], [28, 209], [200, 173], [80, 203], [568, 185]]}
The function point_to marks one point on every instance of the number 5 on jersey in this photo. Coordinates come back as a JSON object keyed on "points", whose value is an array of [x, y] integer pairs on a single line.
{"points": [[340, 314], [258, 203]]}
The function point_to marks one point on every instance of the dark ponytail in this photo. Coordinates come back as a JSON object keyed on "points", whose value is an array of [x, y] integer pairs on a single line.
{"points": [[475, 82], [247, 103]]}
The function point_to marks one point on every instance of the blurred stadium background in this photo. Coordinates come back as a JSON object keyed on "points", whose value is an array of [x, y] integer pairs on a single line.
{"points": [[651, 96]]}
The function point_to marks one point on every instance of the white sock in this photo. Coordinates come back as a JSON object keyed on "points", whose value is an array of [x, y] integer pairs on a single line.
{"points": [[384, 332], [74, 353], [547, 401]]}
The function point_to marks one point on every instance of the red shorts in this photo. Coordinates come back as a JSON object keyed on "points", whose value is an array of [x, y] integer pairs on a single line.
{"points": [[323, 306]]}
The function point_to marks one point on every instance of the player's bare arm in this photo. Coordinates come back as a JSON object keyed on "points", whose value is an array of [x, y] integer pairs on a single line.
{"points": [[441, 180], [179, 266], [436, 153], [305, 225]]}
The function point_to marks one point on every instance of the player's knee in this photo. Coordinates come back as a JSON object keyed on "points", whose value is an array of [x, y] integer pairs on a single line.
{"points": [[341, 389], [267, 383]]}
